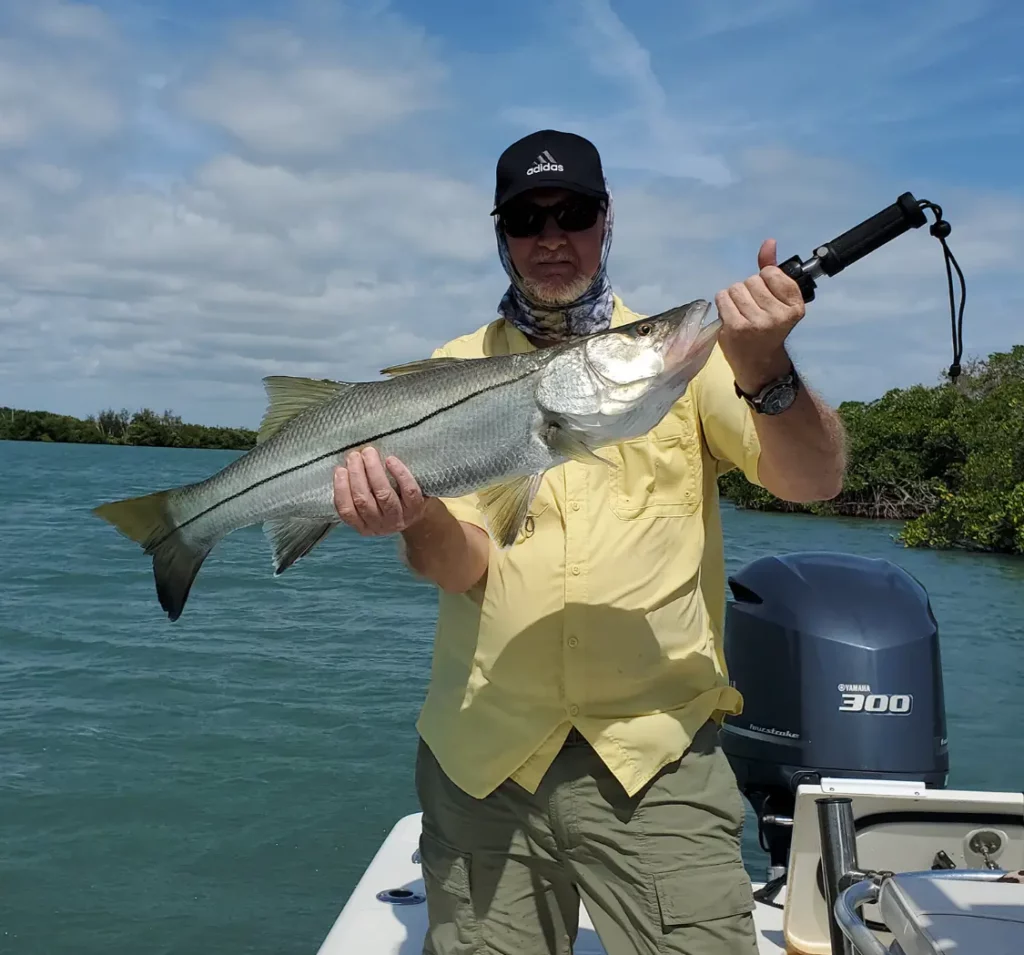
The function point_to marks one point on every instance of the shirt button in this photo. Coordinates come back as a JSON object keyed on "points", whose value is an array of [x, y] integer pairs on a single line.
{"points": [[574, 710], [573, 642], [576, 569], [575, 505]]}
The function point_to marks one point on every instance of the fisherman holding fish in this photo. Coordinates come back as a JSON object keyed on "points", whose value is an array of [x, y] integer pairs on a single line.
{"points": [[554, 474], [569, 737]]}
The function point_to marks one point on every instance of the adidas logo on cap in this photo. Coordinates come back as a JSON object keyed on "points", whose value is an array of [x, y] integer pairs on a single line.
{"points": [[545, 162]]}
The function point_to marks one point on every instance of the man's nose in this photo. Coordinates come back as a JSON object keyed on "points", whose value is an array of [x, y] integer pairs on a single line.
{"points": [[551, 236]]}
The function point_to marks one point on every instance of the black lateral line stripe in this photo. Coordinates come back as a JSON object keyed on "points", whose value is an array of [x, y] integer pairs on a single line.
{"points": [[322, 457]]}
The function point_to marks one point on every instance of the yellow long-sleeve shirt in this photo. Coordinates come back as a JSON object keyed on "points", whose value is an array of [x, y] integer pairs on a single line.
{"points": [[607, 612]]}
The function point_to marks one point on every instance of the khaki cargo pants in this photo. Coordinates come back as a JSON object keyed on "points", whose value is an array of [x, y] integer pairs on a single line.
{"points": [[659, 873]]}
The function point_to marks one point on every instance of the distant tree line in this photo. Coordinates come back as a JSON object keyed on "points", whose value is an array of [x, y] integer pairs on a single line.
{"points": [[143, 428], [947, 460]]}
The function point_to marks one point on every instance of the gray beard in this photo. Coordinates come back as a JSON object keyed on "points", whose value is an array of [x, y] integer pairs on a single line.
{"points": [[556, 294]]}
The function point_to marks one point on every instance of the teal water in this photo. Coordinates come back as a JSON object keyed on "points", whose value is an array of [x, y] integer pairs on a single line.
{"points": [[219, 784]]}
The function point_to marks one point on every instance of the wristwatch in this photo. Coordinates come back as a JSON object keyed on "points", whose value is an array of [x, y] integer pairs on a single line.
{"points": [[776, 396]]}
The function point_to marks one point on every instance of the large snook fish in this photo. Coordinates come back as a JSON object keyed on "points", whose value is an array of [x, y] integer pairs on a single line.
{"points": [[493, 425]]}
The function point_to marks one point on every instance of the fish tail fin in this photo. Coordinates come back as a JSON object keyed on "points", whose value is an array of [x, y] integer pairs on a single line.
{"points": [[148, 521]]}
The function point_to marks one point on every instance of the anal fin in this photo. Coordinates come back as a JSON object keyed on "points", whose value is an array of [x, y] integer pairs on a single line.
{"points": [[294, 537], [506, 505]]}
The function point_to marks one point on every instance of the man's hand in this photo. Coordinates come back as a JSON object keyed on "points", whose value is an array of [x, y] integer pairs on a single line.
{"points": [[803, 455], [365, 499], [433, 544], [757, 316]]}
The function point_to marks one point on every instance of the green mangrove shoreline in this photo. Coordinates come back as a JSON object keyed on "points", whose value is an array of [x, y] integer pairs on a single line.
{"points": [[945, 460], [144, 428]]}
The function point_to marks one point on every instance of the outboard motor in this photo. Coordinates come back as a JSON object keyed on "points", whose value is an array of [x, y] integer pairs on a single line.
{"points": [[837, 658]]}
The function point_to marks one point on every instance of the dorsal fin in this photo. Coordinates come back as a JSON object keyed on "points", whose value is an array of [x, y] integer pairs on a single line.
{"points": [[421, 364], [288, 397]]}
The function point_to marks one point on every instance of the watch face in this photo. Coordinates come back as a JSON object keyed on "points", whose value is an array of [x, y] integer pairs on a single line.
{"points": [[778, 399]]}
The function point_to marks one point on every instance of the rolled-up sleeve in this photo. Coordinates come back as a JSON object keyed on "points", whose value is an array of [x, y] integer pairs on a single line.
{"points": [[726, 419]]}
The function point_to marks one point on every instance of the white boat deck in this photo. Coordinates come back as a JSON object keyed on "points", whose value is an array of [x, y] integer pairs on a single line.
{"points": [[369, 925], [902, 827]]}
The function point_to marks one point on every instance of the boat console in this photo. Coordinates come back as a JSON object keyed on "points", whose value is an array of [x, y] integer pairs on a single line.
{"points": [[851, 831]]}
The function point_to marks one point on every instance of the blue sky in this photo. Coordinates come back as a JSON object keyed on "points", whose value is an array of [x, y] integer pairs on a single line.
{"points": [[195, 195]]}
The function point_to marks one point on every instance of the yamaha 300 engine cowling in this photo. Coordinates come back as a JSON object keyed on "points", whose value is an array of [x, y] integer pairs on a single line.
{"points": [[837, 658]]}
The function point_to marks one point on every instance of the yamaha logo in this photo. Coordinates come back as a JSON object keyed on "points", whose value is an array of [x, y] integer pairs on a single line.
{"points": [[858, 698]]}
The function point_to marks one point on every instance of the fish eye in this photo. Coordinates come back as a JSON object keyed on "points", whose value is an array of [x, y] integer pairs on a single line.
{"points": [[644, 330]]}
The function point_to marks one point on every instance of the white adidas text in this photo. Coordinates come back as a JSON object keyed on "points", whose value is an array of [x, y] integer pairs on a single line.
{"points": [[545, 167]]}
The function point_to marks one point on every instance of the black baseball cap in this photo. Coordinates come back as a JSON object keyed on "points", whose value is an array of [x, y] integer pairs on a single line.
{"points": [[548, 158]]}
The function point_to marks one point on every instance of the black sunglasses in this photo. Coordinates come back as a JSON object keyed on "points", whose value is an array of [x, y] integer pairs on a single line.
{"points": [[522, 219]]}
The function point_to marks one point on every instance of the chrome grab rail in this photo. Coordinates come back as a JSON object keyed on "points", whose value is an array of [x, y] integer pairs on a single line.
{"points": [[867, 890], [850, 923]]}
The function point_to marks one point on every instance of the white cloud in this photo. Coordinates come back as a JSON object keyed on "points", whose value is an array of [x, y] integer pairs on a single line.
{"points": [[56, 179], [309, 110], [55, 75], [68, 21], [52, 95], [643, 135], [282, 95], [305, 200]]}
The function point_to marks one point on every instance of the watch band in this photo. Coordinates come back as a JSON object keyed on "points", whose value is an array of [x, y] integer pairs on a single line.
{"points": [[788, 383]]}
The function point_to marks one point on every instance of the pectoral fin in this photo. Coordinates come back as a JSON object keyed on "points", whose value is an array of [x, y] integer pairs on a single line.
{"points": [[506, 505], [564, 443]]}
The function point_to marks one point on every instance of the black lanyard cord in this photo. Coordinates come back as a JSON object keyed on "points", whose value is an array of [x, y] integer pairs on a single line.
{"points": [[941, 229]]}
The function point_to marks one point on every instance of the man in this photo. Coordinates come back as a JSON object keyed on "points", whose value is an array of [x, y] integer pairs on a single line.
{"points": [[569, 741]]}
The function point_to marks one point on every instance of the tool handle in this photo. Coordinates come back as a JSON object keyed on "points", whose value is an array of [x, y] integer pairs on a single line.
{"points": [[795, 270], [904, 214]]}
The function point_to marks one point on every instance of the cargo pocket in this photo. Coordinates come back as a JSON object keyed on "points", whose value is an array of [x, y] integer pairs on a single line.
{"points": [[452, 923], [692, 895], [444, 867]]}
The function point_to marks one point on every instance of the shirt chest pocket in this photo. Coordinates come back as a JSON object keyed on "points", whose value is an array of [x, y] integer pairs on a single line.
{"points": [[660, 473]]}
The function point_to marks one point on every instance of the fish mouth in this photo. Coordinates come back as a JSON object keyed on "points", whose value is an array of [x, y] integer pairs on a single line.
{"points": [[690, 348], [688, 332]]}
